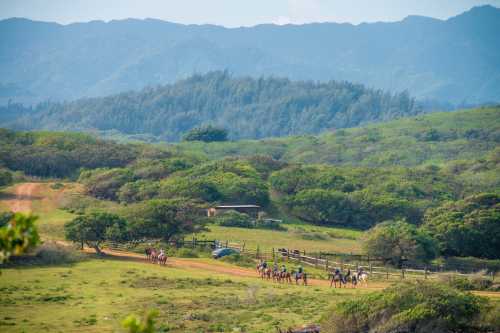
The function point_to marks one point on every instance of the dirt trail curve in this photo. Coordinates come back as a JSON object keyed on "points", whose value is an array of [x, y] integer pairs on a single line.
{"points": [[23, 197], [216, 268]]}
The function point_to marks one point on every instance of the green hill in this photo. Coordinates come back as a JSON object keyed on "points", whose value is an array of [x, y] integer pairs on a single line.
{"points": [[426, 139]]}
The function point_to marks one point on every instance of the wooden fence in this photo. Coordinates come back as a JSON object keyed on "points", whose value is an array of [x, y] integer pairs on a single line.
{"points": [[322, 261]]}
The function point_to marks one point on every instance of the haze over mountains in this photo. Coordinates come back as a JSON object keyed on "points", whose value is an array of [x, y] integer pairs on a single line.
{"points": [[457, 60]]}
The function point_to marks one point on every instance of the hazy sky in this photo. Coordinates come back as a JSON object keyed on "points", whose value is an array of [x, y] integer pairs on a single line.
{"points": [[232, 13]]}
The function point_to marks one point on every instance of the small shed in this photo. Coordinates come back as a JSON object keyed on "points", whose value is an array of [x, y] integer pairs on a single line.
{"points": [[250, 210]]}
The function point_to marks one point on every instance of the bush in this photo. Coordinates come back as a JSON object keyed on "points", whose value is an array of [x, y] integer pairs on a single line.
{"points": [[50, 253], [233, 218], [398, 241], [206, 134], [269, 224], [57, 186], [418, 307], [467, 227], [239, 259]]}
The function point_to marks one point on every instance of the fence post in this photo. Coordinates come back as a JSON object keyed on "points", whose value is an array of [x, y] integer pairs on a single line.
{"points": [[227, 243], [386, 272], [403, 273], [326, 264], [316, 263], [371, 267], [257, 254], [425, 272], [243, 247], [274, 257]]}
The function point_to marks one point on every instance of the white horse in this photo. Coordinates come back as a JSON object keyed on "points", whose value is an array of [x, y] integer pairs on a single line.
{"points": [[363, 279]]}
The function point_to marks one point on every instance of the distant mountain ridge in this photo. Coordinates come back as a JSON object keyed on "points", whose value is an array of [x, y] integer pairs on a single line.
{"points": [[247, 107], [455, 60]]}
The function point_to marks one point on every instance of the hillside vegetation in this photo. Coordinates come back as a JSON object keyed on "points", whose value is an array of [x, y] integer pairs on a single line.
{"points": [[454, 60], [459, 160], [245, 107], [425, 139]]}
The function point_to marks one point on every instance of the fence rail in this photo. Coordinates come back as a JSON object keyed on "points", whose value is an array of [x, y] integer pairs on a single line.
{"points": [[320, 260]]}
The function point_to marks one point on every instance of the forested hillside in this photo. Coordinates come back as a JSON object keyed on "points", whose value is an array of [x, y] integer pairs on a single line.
{"points": [[454, 60], [426, 139], [245, 107]]}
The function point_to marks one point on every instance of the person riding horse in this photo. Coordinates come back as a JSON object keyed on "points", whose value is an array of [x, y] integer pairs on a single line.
{"points": [[337, 277]]}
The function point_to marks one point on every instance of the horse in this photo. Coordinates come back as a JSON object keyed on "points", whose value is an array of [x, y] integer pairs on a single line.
{"points": [[162, 259], [352, 278], [301, 276], [148, 251], [154, 256], [267, 273], [276, 275], [363, 279], [285, 277], [337, 277], [262, 270]]}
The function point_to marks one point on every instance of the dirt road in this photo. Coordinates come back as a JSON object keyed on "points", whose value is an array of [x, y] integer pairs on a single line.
{"points": [[23, 197], [218, 268]]}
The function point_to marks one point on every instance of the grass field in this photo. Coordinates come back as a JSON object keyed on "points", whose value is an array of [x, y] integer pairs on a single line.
{"points": [[310, 238], [95, 295]]}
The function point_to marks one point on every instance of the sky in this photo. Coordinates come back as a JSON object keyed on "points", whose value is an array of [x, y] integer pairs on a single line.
{"points": [[235, 13]]}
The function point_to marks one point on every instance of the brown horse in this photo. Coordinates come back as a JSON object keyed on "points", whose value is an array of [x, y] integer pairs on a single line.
{"points": [[154, 256], [162, 259], [301, 276], [148, 251], [285, 277]]}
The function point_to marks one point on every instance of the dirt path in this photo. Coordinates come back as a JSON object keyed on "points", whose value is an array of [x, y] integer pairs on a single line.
{"points": [[23, 197], [218, 268]]}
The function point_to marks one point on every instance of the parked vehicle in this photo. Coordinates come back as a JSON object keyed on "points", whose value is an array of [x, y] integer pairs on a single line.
{"points": [[219, 253]]}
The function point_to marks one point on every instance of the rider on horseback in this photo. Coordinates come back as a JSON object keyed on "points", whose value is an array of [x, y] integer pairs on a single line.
{"points": [[283, 268], [300, 271], [359, 273], [275, 267]]}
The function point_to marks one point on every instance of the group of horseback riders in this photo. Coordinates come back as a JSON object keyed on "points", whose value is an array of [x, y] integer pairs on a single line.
{"points": [[156, 256], [281, 274], [360, 276]]}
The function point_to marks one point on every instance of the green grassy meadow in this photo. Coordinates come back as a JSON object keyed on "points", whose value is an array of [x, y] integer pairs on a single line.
{"points": [[95, 295]]}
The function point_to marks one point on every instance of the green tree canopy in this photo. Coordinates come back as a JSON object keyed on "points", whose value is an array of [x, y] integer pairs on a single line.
{"points": [[96, 227], [469, 227], [165, 219], [398, 241], [206, 134], [17, 234]]}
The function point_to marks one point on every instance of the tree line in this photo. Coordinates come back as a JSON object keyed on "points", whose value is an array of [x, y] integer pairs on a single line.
{"points": [[247, 107]]}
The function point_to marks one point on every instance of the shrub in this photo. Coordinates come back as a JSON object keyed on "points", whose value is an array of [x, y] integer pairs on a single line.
{"points": [[233, 218], [206, 134], [398, 241], [50, 253], [269, 224], [411, 307], [239, 259]]}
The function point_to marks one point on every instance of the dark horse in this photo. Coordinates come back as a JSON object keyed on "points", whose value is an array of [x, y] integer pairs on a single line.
{"points": [[337, 277], [349, 277], [148, 252], [301, 276]]}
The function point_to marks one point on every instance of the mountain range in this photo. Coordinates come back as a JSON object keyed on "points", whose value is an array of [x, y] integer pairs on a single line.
{"points": [[455, 60]]}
